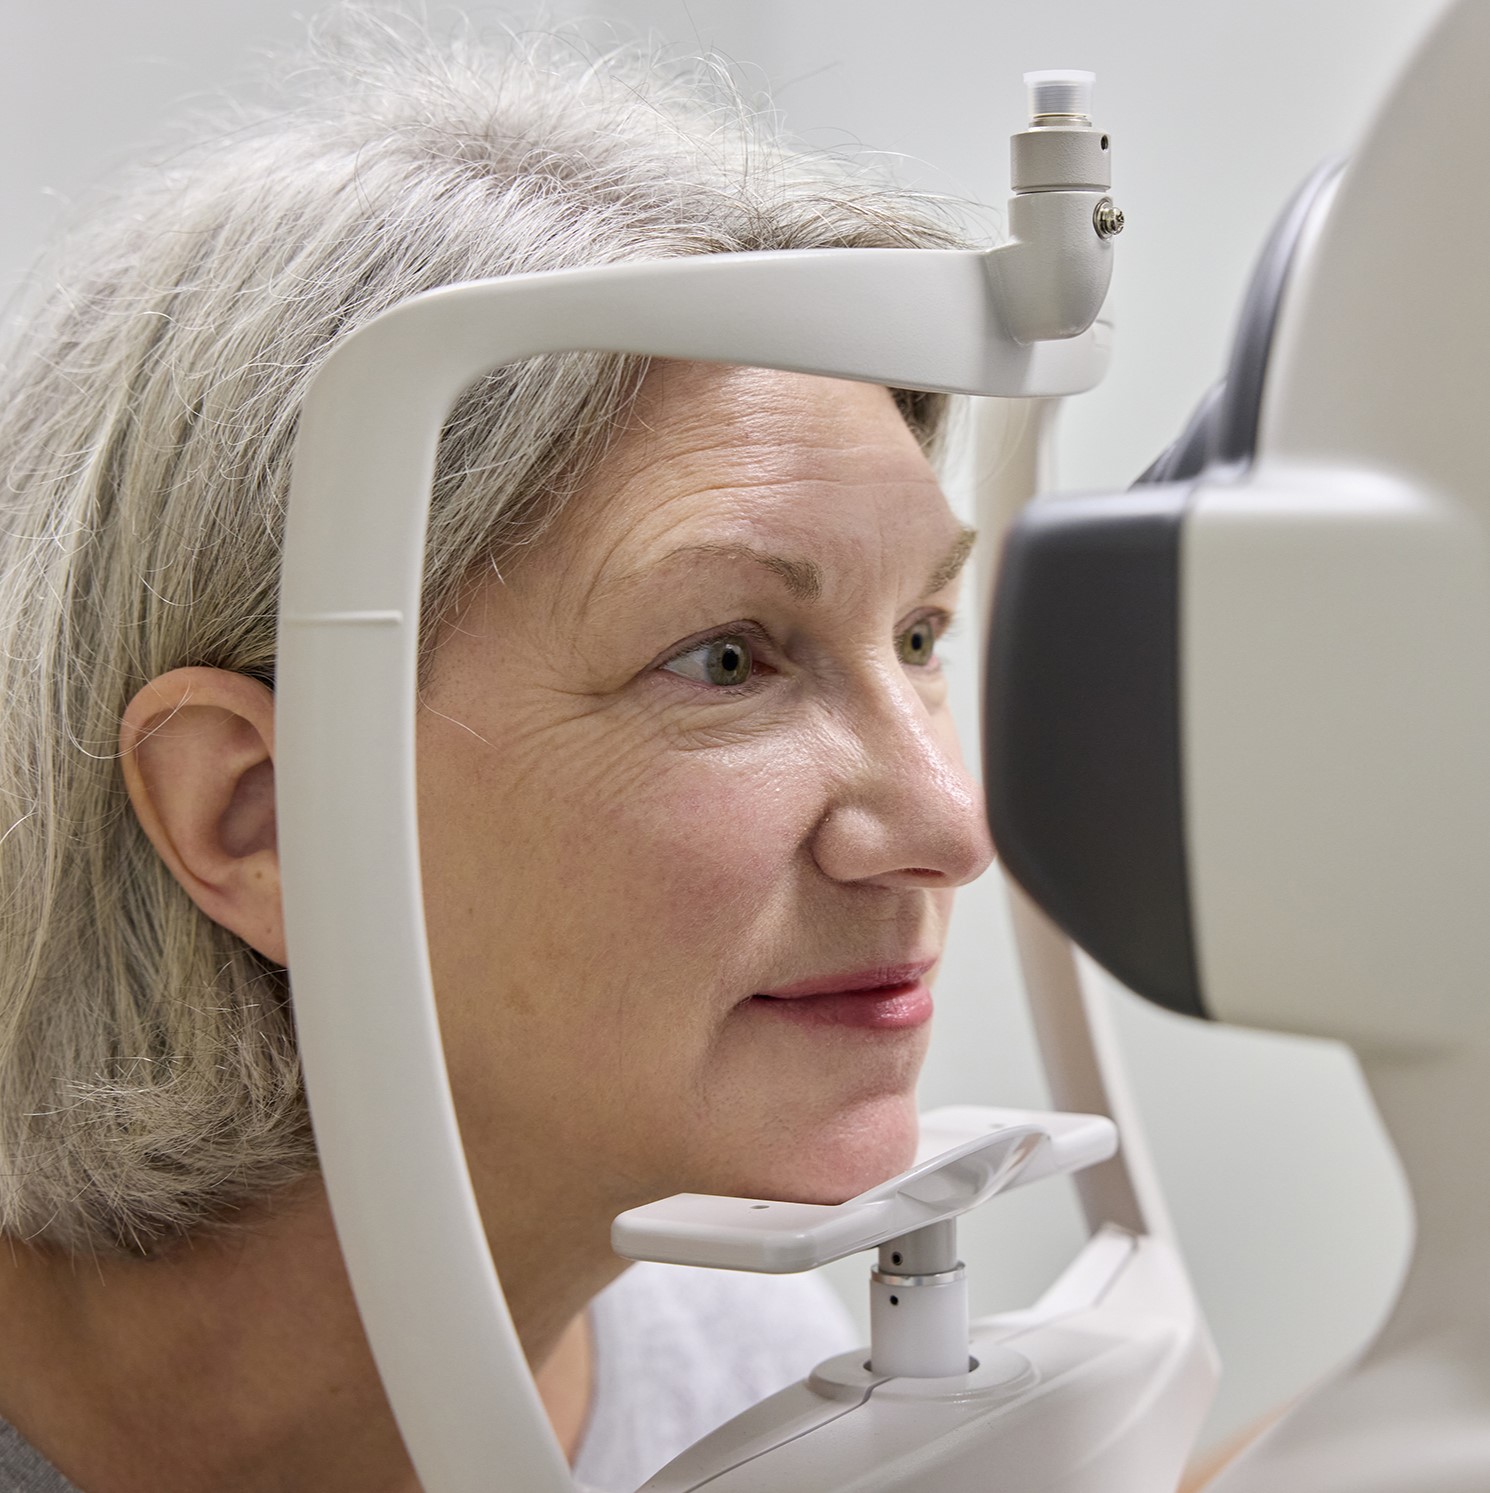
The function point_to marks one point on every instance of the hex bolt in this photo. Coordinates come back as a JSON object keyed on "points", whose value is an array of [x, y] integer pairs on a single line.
{"points": [[1107, 219]]}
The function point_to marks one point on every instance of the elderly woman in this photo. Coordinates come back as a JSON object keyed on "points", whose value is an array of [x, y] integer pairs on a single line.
{"points": [[692, 810]]}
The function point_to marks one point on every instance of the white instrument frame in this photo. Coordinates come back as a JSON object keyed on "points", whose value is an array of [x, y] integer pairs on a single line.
{"points": [[346, 685]]}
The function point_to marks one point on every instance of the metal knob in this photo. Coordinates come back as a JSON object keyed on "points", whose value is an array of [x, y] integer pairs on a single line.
{"points": [[1107, 218]]}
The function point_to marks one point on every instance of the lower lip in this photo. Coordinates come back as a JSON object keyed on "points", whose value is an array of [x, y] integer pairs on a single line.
{"points": [[890, 1008]]}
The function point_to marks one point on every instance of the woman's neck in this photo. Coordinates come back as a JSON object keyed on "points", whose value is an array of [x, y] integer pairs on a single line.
{"points": [[234, 1363]]}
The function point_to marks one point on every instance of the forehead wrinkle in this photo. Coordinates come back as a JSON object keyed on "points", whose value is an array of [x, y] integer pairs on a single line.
{"points": [[765, 445], [683, 453], [803, 578]]}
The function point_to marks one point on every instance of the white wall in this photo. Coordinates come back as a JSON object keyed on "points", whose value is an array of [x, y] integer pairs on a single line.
{"points": [[1285, 1196]]}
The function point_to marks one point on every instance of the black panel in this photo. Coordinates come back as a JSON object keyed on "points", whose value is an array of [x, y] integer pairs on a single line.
{"points": [[1246, 371], [1082, 732], [1191, 453], [1222, 432], [1082, 709]]}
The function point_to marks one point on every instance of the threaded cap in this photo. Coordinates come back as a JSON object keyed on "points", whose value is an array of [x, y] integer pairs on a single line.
{"points": [[1066, 92]]}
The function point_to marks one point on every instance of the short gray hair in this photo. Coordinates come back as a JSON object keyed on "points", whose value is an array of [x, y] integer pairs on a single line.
{"points": [[149, 1085]]}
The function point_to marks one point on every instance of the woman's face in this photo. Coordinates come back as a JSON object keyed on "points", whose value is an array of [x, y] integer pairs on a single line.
{"points": [[691, 748]]}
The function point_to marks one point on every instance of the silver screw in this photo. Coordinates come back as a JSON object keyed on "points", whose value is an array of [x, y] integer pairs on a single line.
{"points": [[1107, 219]]}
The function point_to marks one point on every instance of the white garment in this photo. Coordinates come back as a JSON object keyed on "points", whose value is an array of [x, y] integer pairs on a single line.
{"points": [[23, 1469], [680, 1351]]}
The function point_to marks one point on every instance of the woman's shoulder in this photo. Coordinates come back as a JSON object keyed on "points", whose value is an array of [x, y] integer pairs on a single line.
{"points": [[679, 1351]]}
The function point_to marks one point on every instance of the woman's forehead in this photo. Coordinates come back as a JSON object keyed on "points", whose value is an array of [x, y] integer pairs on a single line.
{"points": [[714, 412], [719, 456]]}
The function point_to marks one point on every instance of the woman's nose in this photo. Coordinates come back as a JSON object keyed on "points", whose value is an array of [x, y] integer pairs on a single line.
{"points": [[905, 811]]}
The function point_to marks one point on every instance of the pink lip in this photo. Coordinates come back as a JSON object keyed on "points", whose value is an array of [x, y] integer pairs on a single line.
{"points": [[861, 981], [886, 998]]}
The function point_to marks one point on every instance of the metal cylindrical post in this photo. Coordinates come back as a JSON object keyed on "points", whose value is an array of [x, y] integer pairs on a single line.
{"points": [[918, 1324]]}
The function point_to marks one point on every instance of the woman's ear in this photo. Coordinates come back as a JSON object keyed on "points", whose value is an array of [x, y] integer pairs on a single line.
{"points": [[197, 747]]}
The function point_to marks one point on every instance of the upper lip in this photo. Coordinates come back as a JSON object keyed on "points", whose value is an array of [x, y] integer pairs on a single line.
{"points": [[866, 981]]}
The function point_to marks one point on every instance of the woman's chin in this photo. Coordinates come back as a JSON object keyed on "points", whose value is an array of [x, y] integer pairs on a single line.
{"points": [[842, 1156]]}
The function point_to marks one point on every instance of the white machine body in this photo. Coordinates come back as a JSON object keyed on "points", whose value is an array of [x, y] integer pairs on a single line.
{"points": [[1297, 825], [965, 1155], [1101, 1386]]}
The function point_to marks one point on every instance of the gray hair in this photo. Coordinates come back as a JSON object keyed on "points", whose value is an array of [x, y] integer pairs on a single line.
{"points": [[149, 1085]]}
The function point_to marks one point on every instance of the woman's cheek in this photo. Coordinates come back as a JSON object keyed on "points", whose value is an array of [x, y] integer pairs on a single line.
{"points": [[717, 833]]}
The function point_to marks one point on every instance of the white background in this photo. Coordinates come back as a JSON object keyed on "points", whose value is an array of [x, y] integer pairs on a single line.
{"points": [[1286, 1198]]}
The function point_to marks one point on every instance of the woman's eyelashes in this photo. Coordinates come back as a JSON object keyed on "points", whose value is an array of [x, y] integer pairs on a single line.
{"points": [[731, 659], [736, 657]]}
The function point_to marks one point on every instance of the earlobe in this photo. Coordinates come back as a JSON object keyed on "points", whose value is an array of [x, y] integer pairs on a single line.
{"points": [[197, 750]]}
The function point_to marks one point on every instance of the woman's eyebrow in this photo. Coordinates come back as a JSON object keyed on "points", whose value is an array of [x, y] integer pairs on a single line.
{"points": [[803, 578], [951, 566]]}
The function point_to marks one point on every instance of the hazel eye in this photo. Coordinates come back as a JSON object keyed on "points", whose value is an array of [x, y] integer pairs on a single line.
{"points": [[917, 644], [724, 661]]}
